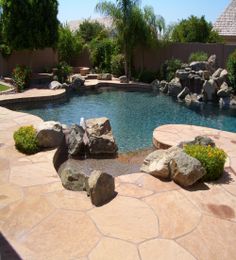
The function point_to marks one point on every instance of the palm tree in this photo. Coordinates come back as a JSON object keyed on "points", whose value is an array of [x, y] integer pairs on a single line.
{"points": [[123, 16]]}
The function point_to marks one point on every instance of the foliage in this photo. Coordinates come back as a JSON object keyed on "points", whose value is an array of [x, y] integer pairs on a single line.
{"points": [[198, 56], [134, 26], [21, 76], [69, 44], [89, 30], [117, 65], [146, 76], [169, 68], [25, 140], [212, 159], [101, 52], [63, 71], [231, 67], [195, 29], [30, 24]]}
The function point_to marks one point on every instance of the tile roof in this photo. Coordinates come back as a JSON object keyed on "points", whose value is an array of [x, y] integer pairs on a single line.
{"points": [[226, 23]]}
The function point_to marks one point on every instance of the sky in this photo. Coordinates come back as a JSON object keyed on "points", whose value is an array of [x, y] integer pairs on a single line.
{"points": [[171, 10]]}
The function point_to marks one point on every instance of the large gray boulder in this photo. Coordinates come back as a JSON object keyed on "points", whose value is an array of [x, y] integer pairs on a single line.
{"points": [[212, 63], [73, 178], [199, 140], [185, 170], [174, 87], [182, 74], [100, 137], [123, 79], [209, 90], [183, 93], [198, 65], [157, 163], [164, 86], [77, 82], [55, 85], [100, 188], [224, 91], [75, 140], [49, 134]]}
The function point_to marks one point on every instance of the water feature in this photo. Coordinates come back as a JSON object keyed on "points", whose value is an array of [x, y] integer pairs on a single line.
{"points": [[134, 115]]}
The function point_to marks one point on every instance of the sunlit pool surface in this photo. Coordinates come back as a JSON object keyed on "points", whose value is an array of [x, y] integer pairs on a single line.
{"points": [[134, 115]]}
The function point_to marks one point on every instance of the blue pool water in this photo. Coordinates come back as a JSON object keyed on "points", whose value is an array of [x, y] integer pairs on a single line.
{"points": [[134, 115]]}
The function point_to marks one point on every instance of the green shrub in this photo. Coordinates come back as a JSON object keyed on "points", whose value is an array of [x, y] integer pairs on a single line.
{"points": [[117, 65], [25, 140], [231, 67], [63, 71], [169, 68], [21, 76], [198, 56], [212, 159]]}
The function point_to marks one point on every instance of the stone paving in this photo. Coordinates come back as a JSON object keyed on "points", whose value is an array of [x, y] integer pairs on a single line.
{"points": [[149, 219]]}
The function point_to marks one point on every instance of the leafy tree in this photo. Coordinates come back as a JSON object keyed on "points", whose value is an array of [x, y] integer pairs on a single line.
{"points": [[69, 44], [194, 29], [88, 30], [30, 24]]}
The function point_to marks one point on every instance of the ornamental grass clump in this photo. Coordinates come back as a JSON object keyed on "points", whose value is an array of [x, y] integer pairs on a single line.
{"points": [[25, 140], [212, 159]]}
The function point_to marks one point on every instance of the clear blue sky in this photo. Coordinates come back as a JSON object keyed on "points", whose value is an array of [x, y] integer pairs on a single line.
{"points": [[171, 10]]}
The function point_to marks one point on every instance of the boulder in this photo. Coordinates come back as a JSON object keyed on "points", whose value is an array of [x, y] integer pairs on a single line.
{"points": [[191, 99], [123, 79], [195, 83], [185, 170], [101, 140], [217, 73], [77, 82], [164, 86], [209, 90], [199, 140], [55, 85], [174, 87], [157, 163], [224, 91], [182, 74], [233, 103], [198, 65], [224, 102], [212, 63], [183, 93], [156, 84], [100, 187], [224, 74], [75, 141], [49, 134], [105, 76], [72, 178]]}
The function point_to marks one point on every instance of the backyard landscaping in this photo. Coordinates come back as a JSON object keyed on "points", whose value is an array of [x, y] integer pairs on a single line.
{"points": [[117, 141]]}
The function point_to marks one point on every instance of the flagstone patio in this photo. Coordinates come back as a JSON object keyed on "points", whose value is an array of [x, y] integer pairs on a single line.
{"points": [[149, 219]]}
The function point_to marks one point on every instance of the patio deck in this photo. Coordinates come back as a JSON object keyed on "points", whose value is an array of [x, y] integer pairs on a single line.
{"points": [[149, 219]]}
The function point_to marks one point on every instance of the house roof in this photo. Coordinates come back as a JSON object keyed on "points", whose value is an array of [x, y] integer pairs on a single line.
{"points": [[226, 23]]}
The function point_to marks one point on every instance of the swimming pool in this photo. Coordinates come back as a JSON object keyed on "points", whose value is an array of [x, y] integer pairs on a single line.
{"points": [[134, 115]]}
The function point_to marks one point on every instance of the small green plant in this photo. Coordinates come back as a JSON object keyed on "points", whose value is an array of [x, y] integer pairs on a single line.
{"points": [[25, 140], [231, 67], [21, 76], [117, 65], [198, 56], [212, 159], [63, 71], [169, 68]]}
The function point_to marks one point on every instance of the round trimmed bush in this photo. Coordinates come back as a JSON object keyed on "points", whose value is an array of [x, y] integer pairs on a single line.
{"points": [[198, 56], [212, 159], [25, 140]]}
